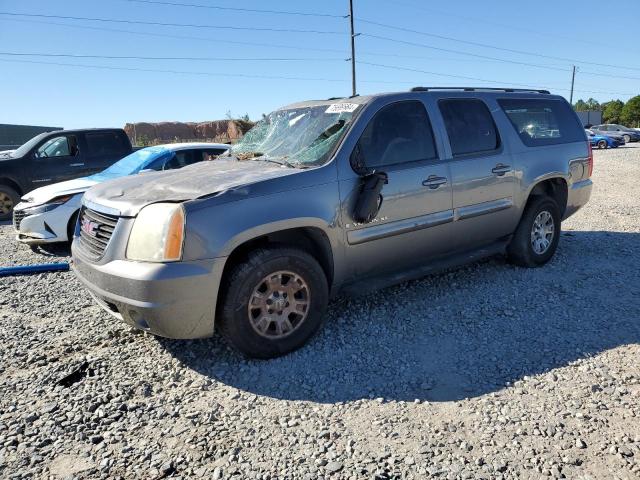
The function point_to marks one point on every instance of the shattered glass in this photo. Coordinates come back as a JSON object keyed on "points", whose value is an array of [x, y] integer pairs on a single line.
{"points": [[300, 137]]}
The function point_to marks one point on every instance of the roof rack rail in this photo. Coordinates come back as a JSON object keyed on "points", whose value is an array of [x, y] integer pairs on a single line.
{"points": [[474, 89]]}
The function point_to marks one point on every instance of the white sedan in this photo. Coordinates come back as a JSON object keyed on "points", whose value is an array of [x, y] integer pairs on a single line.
{"points": [[49, 214]]}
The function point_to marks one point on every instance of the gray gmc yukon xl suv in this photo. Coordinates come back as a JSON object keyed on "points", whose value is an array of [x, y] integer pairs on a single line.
{"points": [[340, 195]]}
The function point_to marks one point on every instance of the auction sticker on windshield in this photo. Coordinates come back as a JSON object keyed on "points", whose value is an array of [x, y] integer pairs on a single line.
{"points": [[342, 107]]}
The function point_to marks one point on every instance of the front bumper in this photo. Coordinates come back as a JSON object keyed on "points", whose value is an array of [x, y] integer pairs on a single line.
{"points": [[47, 227], [578, 196], [174, 300]]}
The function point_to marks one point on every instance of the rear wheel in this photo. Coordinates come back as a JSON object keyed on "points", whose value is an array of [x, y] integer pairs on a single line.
{"points": [[9, 198], [274, 302], [627, 138], [536, 238], [602, 144]]}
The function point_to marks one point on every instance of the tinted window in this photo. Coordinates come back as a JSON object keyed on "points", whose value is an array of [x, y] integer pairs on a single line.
{"points": [[543, 122], [105, 143], [398, 133], [182, 158], [469, 125]]}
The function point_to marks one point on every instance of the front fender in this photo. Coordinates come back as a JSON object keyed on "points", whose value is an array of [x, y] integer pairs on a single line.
{"points": [[217, 230]]}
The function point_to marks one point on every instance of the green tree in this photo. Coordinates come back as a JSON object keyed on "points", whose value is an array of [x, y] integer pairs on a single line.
{"points": [[143, 141], [631, 112], [592, 104], [612, 111], [580, 106]]}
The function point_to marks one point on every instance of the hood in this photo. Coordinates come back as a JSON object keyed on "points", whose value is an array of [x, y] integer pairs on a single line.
{"points": [[128, 195], [44, 194]]}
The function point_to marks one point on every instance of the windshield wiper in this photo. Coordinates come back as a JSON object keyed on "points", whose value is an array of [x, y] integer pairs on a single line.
{"points": [[285, 163]]}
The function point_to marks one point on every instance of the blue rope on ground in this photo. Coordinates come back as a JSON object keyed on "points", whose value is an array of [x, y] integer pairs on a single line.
{"points": [[29, 269]]}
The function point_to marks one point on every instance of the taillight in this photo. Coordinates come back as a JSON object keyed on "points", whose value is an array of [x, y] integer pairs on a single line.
{"points": [[590, 159]]}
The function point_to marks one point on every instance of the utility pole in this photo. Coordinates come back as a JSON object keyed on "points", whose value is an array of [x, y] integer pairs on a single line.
{"points": [[353, 51], [573, 81]]}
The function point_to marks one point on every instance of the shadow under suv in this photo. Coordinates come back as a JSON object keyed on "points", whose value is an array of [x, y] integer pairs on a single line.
{"points": [[329, 196]]}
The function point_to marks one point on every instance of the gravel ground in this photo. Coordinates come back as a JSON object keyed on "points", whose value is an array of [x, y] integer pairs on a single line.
{"points": [[489, 371]]}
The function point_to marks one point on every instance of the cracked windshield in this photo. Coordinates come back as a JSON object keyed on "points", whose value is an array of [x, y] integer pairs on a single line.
{"points": [[298, 137]]}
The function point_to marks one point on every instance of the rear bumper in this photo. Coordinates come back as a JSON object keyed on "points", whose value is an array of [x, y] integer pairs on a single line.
{"points": [[174, 300], [578, 196]]}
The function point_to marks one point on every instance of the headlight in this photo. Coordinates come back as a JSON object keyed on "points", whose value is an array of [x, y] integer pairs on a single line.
{"points": [[157, 234], [47, 207]]}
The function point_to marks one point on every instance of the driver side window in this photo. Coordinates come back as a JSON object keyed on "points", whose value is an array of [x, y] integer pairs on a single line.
{"points": [[57, 147], [399, 133]]}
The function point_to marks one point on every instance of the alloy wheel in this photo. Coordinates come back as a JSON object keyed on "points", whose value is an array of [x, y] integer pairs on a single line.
{"points": [[279, 304], [542, 232], [6, 204]]}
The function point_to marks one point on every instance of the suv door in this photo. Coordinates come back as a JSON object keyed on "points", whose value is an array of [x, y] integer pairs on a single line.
{"points": [[413, 223], [103, 149], [57, 159], [484, 183]]}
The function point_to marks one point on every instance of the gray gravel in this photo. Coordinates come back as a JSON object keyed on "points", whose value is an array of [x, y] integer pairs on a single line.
{"points": [[489, 371]]}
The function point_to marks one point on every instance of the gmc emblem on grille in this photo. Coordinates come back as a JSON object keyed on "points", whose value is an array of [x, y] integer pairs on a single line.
{"points": [[89, 227]]}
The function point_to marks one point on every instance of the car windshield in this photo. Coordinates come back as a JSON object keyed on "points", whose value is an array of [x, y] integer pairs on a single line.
{"points": [[134, 162], [298, 137], [24, 148]]}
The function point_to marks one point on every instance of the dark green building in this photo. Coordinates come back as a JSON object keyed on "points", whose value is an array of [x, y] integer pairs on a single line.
{"points": [[12, 136]]}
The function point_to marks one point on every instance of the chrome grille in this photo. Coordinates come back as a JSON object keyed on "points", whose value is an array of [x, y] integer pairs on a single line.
{"points": [[101, 227], [18, 216]]}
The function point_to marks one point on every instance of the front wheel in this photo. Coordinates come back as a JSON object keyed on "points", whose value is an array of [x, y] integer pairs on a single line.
{"points": [[627, 138], [274, 302], [9, 198], [602, 144], [536, 238]]}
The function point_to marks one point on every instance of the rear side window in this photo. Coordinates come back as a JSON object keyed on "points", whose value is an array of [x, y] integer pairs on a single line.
{"points": [[543, 122], [105, 143], [469, 125], [399, 133]]}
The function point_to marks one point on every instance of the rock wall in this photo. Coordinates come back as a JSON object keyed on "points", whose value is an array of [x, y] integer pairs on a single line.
{"points": [[166, 132]]}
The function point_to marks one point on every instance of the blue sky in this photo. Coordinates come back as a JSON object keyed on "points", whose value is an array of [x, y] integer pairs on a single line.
{"points": [[571, 31]]}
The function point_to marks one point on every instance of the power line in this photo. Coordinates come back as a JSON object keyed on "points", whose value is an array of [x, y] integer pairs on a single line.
{"points": [[494, 47], [178, 37], [474, 20], [163, 24], [461, 52], [451, 75], [137, 57], [279, 77], [238, 9], [256, 44], [180, 72], [500, 82]]}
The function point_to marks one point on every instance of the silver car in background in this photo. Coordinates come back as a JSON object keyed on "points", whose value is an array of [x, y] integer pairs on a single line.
{"points": [[328, 196]]}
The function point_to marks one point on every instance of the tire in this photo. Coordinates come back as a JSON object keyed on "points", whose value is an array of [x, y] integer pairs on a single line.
{"points": [[627, 138], [521, 250], [602, 144], [262, 278], [9, 198]]}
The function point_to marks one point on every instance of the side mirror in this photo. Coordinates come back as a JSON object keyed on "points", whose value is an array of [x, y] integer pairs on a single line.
{"points": [[370, 198]]}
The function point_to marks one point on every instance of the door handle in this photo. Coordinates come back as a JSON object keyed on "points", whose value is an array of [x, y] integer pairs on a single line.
{"points": [[500, 169], [434, 182], [76, 164]]}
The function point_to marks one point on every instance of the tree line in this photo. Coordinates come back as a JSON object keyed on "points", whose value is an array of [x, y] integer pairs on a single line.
{"points": [[614, 111]]}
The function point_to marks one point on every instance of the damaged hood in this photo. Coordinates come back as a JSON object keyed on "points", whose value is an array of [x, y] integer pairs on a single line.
{"points": [[128, 195]]}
